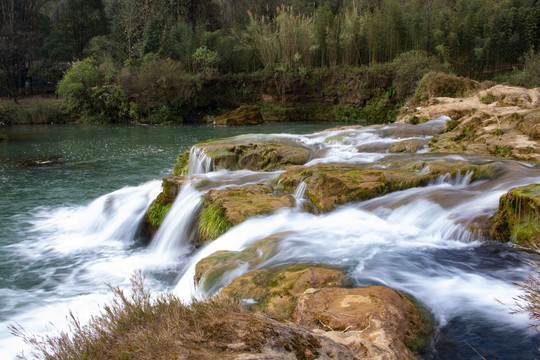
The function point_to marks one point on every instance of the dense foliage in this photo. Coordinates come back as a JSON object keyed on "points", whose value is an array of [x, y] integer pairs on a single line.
{"points": [[126, 38]]}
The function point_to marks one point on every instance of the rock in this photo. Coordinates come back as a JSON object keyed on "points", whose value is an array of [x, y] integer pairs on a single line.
{"points": [[160, 206], [275, 290], [502, 121], [329, 185], [244, 115], [225, 208], [376, 322], [410, 146], [210, 270], [251, 336], [233, 154], [518, 217]]}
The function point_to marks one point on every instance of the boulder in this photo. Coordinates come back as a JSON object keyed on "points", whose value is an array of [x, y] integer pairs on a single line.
{"points": [[234, 154], [244, 115], [518, 217], [225, 208], [275, 290], [375, 322]]}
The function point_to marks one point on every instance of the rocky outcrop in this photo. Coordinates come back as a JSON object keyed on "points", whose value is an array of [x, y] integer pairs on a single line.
{"points": [[225, 208], [375, 322], [518, 217], [263, 156], [276, 290], [501, 121], [160, 206], [244, 115], [329, 185]]}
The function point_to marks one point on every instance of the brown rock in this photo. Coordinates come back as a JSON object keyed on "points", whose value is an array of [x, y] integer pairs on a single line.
{"points": [[275, 290], [376, 321]]}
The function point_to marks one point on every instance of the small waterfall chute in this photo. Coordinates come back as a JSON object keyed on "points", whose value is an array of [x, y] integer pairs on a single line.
{"points": [[199, 163], [172, 238]]}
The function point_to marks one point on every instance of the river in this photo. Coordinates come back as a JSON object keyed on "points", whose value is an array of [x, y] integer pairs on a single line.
{"points": [[72, 197]]}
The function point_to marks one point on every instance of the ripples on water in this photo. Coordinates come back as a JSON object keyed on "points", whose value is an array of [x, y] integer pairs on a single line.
{"points": [[422, 241]]}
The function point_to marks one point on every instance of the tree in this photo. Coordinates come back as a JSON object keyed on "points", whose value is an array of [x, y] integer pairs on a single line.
{"points": [[22, 28], [79, 21]]}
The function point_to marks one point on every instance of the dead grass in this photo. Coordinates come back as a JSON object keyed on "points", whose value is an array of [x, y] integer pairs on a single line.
{"points": [[529, 301], [136, 326]]}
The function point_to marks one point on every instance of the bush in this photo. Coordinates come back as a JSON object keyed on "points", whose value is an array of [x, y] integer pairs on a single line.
{"points": [[76, 84], [439, 84], [159, 90], [409, 69]]}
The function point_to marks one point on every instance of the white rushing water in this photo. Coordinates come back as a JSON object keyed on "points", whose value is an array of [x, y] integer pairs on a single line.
{"points": [[425, 241]]}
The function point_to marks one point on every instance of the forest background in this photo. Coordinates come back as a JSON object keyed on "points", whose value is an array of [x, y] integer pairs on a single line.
{"points": [[173, 61]]}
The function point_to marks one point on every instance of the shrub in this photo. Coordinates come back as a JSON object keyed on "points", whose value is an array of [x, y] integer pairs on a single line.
{"points": [[410, 67], [438, 84], [489, 98], [76, 82]]}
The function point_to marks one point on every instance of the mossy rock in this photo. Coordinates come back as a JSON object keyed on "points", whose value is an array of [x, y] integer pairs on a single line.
{"points": [[225, 208], [258, 156], [276, 290], [244, 115], [182, 163], [210, 269], [518, 217], [330, 185], [160, 206]]}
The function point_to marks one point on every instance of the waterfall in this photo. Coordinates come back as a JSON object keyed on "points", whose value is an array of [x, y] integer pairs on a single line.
{"points": [[299, 195], [199, 163], [175, 232]]}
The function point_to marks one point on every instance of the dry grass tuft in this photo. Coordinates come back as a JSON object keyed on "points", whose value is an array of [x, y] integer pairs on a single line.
{"points": [[134, 326], [529, 301]]}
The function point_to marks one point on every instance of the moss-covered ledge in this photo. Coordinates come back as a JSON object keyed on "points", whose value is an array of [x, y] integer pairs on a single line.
{"points": [[518, 217], [223, 209]]}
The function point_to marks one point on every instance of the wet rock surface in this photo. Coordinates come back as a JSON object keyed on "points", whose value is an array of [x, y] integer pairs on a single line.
{"points": [[375, 321]]}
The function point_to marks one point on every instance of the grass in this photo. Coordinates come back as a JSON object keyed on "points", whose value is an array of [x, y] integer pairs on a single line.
{"points": [[157, 213], [212, 223], [135, 326]]}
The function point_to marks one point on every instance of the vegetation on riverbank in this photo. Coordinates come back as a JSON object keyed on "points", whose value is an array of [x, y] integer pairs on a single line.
{"points": [[157, 62]]}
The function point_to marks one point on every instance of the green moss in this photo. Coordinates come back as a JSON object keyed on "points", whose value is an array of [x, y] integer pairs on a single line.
{"points": [[212, 223], [182, 163], [157, 213], [518, 217], [498, 132]]}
